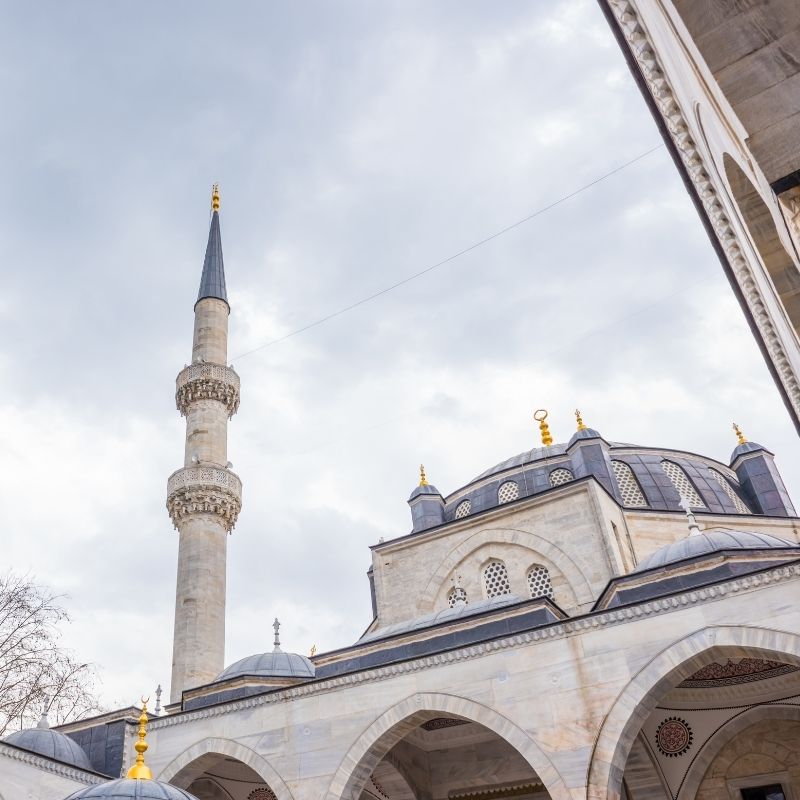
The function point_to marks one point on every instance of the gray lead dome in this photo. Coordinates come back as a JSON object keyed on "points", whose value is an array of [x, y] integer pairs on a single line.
{"points": [[130, 789], [51, 744], [712, 541], [276, 664]]}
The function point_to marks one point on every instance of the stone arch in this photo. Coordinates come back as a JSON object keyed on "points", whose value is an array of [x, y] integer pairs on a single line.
{"points": [[723, 737], [662, 673], [192, 762], [572, 573], [399, 720], [760, 224]]}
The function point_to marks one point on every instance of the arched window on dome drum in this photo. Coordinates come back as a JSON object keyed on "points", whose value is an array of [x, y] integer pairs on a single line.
{"points": [[463, 509], [495, 579], [456, 594], [632, 496], [559, 476], [539, 582], [726, 487], [680, 480], [507, 492]]}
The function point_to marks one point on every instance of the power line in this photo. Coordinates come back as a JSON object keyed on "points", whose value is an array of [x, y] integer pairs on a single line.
{"points": [[450, 258]]}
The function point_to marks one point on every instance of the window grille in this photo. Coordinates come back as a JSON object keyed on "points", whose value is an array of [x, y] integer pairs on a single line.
{"points": [[463, 509], [495, 579], [628, 485], [682, 483], [559, 476], [456, 596], [539, 581], [507, 492], [726, 487]]}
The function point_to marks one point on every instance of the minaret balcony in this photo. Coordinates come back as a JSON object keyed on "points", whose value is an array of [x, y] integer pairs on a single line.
{"points": [[204, 489], [204, 381]]}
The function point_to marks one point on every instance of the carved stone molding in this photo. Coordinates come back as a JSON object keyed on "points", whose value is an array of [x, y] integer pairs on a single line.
{"points": [[204, 490], [207, 382], [641, 46]]}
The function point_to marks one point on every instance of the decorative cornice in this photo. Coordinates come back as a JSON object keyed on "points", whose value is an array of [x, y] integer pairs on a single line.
{"points": [[593, 621], [643, 50], [53, 767], [204, 490], [497, 792], [205, 381]]}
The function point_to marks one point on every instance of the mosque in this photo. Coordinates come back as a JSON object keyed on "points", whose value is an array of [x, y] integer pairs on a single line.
{"points": [[588, 619]]}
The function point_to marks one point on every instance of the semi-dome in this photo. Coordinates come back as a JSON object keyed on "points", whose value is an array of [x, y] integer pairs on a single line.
{"points": [[276, 664], [131, 789], [51, 744], [712, 541]]}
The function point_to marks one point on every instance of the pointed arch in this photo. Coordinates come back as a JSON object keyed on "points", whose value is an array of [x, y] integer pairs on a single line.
{"points": [[192, 762], [399, 720], [663, 672]]}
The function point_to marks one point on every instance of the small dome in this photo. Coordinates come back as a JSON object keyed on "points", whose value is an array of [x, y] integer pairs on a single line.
{"points": [[747, 447], [51, 744], [584, 433], [712, 541], [428, 488], [131, 789], [276, 664]]}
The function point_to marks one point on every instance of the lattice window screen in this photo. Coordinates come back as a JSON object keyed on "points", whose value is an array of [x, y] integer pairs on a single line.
{"points": [[628, 485], [507, 492], [539, 582], [726, 487], [559, 476], [495, 579], [682, 483], [463, 509]]}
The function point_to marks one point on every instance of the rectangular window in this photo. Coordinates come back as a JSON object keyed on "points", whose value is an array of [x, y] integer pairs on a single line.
{"points": [[772, 792]]}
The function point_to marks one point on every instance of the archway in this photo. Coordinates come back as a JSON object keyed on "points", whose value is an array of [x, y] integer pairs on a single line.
{"points": [[221, 769], [458, 732], [661, 710], [760, 223]]}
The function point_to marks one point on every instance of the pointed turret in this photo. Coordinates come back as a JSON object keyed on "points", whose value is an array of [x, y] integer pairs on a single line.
{"points": [[212, 282]]}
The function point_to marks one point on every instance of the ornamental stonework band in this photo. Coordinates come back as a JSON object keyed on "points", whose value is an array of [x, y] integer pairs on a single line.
{"points": [[207, 382], [204, 490]]}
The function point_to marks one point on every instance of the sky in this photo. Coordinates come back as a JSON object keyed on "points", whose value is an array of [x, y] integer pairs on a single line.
{"points": [[356, 144]]}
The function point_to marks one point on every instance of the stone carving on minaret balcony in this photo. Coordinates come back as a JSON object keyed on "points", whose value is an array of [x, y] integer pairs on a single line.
{"points": [[207, 382], [205, 489]]}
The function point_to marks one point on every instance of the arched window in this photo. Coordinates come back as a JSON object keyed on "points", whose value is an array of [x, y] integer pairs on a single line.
{"points": [[457, 596], [629, 488], [726, 487], [495, 579], [681, 482], [463, 509], [507, 492], [539, 581], [559, 476]]}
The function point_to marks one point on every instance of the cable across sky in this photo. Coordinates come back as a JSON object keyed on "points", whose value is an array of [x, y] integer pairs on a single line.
{"points": [[474, 246]]}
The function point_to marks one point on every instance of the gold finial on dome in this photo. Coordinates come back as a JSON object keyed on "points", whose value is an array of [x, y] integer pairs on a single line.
{"points": [[140, 771], [215, 197], [579, 418], [540, 415], [739, 434], [423, 481]]}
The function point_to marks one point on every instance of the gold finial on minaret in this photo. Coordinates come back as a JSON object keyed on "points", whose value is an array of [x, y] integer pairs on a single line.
{"points": [[579, 418], [540, 415], [739, 434], [215, 197], [140, 771], [423, 481]]}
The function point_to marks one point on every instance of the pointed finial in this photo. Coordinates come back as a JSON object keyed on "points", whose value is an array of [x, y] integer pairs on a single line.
{"points": [[579, 418], [139, 770], [313, 651], [694, 528], [423, 481], [540, 415], [277, 626], [739, 434], [215, 197], [43, 721], [157, 709]]}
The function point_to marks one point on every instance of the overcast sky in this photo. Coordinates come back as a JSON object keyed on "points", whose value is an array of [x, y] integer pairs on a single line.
{"points": [[356, 143]]}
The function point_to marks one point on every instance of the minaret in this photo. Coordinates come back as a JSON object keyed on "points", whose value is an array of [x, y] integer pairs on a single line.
{"points": [[204, 498]]}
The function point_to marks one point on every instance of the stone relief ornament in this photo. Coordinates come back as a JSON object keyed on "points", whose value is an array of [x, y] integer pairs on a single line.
{"points": [[674, 737]]}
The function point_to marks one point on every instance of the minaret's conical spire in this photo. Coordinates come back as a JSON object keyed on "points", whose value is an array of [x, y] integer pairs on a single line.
{"points": [[212, 284]]}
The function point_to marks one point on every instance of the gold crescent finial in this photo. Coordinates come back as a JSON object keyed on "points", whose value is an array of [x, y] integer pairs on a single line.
{"points": [[215, 197], [579, 418], [739, 434], [540, 415], [140, 771], [423, 481]]}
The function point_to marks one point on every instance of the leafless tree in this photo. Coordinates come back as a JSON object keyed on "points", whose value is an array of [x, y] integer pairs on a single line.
{"points": [[36, 673]]}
